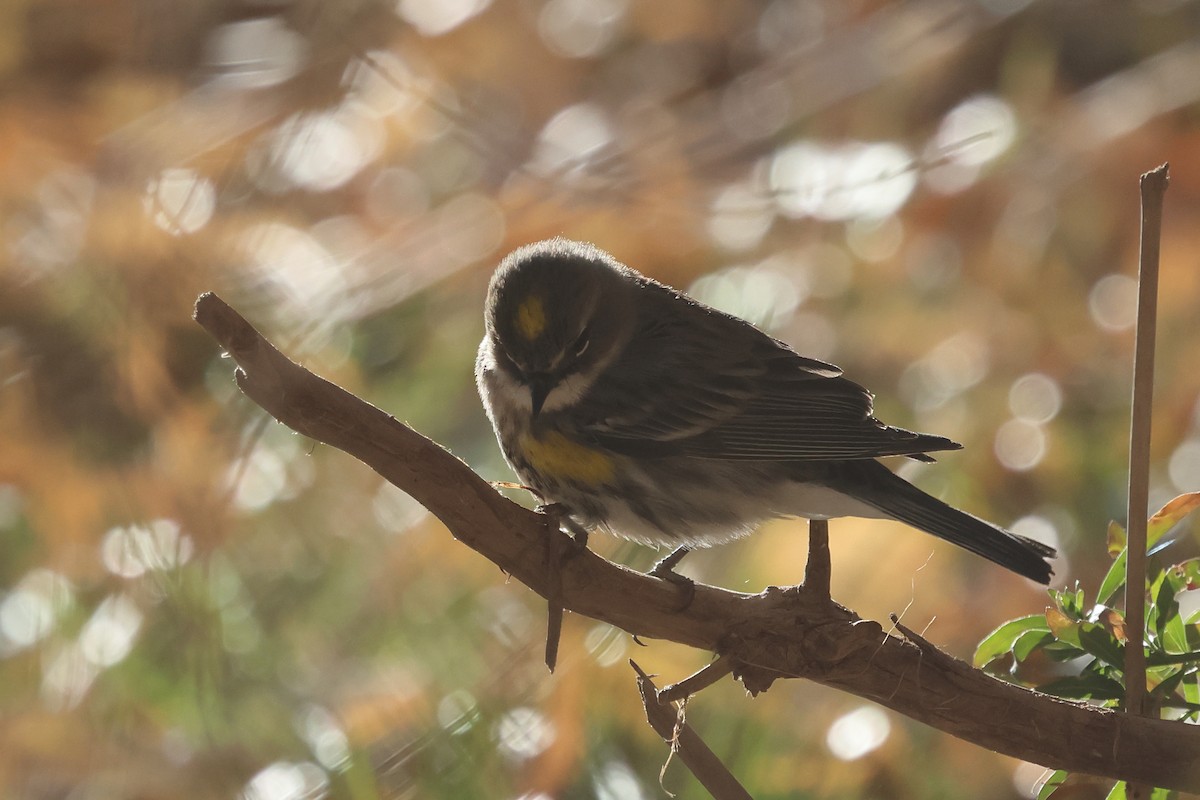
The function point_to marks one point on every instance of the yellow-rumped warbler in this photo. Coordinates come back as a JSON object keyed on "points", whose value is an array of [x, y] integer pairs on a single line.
{"points": [[647, 413]]}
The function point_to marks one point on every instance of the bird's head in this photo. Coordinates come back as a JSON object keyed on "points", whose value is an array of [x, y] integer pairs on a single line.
{"points": [[556, 314]]}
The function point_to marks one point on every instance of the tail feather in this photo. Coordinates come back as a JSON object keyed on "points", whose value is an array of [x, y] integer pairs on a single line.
{"points": [[874, 484]]}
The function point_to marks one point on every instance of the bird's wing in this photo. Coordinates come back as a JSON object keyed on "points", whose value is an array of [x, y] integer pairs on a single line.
{"points": [[725, 390]]}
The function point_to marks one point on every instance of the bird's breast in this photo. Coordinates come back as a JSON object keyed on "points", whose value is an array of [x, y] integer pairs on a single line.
{"points": [[559, 458]]}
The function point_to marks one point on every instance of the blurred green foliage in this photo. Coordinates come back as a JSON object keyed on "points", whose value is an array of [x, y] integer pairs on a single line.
{"points": [[195, 602], [1077, 650]]}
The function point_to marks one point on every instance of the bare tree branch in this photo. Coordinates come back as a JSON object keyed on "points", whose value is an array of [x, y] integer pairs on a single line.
{"points": [[771, 635], [668, 722]]}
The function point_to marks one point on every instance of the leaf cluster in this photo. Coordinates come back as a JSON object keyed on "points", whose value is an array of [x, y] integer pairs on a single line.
{"points": [[1080, 647]]}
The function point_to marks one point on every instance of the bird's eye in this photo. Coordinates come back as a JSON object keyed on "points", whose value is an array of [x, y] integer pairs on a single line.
{"points": [[581, 344]]}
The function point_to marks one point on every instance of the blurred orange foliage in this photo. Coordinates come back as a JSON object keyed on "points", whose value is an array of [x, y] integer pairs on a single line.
{"points": [[941, 198]]}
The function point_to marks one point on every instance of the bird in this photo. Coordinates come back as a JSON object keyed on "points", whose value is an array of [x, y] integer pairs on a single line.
{"points": [[640, 411]]}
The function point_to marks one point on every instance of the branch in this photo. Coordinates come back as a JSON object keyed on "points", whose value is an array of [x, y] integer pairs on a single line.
{"points": [[668, 722], [775, 634]]}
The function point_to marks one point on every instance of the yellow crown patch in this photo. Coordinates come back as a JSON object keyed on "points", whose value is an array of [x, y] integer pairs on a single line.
{"points": [[531, 318]]}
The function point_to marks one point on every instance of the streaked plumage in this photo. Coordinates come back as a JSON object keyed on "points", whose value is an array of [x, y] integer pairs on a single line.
{"points": [[648, 413]]}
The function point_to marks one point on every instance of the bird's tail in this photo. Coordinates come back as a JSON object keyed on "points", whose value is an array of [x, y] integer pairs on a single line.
{"points": [[874, 484]]}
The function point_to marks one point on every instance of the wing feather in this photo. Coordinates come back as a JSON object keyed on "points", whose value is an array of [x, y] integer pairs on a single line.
{"points": [[713, 386]]}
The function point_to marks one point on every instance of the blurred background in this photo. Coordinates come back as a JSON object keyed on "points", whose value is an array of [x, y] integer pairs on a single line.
{"points": [[940, 196]]}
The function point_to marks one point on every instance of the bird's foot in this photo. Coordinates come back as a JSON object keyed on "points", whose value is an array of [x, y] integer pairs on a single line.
{"points": [[561, 517], [664, 569]]}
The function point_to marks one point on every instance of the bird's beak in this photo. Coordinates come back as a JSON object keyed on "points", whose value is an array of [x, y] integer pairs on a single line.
{"points": [[539, 388]]}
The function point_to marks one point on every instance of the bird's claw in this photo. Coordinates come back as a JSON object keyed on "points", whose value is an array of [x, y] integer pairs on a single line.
{"points": [[560, 515], [664, 569]]}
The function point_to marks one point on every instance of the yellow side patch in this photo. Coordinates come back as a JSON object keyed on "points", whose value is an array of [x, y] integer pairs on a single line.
{"points": [[531, 318], [557, 457]]}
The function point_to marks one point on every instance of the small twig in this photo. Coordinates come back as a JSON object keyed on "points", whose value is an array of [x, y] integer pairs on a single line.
{"points": [[914, 637], [693, 752], [558, 549], [1153, 186], [697, 681], [554, 618], [816, 571]]}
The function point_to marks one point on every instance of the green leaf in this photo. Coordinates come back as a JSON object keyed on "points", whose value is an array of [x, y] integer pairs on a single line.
{"points": [[1085, 687], [1001, 640], [1190, 572], [1167, 686], [1117, 540], [1172, 634], [1174, 577], [1097, 641], [1070, 601], [1156, 527], [1160, 659], [1191, 688], [1029, 641], [1169, 516], [1118, 793], [1113, 621], [1062, 651], [1064, 628], [1056, 779], [1114, 579], [1183, 705]]}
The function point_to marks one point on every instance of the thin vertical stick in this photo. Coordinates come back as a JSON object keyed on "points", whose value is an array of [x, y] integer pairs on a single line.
{"points": [[1154, 186], [816, 572]]}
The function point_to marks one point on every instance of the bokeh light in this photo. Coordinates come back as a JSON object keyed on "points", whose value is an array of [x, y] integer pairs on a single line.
{"points": [[457, 712], [524, 733], [875, 239], [321, 151], [129, 551], [180, 201], [608, 645], [973, 133], [572, 137], [761, 294], [325, 737], [286, 780], [950, 368], [1035, 398], [66, 676], [50, 233], [842, 182], [1113, 302], [109, 635], [617, 781], [1020, 445], [858, 732], [437, 17], [580, 28], [741, 217], [255, 53], [31, 609], [1184, 466]]}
